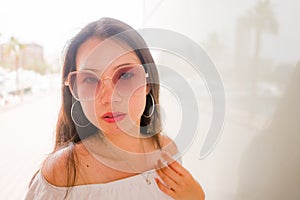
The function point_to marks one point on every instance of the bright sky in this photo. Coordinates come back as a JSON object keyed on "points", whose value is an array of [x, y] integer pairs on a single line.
{"points": [[52, 23]]}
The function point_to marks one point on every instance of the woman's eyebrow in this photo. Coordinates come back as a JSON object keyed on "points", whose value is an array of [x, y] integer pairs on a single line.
{"points": [[100, 70], [123, 64]]}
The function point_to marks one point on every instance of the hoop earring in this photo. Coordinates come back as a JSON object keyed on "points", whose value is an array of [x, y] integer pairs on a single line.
{"points": [[78, 116], [153, 107]]}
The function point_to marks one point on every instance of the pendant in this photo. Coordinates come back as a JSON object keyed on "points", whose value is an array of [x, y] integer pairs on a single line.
{"points": [[148, 181]]}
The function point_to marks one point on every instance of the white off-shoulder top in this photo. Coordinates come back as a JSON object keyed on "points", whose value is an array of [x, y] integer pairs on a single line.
{"points": [[131, 188]]}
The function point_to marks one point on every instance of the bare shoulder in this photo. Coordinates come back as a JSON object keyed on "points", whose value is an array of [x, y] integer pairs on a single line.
{"points": [[168, 145], [54, 168], [165, 140]]}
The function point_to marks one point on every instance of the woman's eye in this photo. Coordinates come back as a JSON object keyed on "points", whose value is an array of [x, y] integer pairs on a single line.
{"points": [[126, 75], [90, 80]]}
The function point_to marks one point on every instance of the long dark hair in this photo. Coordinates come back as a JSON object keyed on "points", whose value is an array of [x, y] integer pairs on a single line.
{"points": [[66, 131]]}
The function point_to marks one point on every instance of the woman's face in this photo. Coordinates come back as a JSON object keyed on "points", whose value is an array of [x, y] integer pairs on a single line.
{"points": [[118, 102]]}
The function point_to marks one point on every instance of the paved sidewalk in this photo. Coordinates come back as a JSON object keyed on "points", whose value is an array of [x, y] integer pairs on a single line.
{"points": [[27, 135]]}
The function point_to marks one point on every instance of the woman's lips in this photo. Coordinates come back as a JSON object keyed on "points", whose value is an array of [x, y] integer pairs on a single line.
{"points": [[112, 117]]}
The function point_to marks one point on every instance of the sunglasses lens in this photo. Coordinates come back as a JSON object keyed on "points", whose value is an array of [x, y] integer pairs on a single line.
{"points": [[84, 85], [129, 80]]}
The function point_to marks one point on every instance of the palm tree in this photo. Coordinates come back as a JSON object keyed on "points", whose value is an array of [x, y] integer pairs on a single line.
{"points": [[261, 19], [15, 49]]}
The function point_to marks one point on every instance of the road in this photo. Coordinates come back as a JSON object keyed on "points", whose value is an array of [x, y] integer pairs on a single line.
{"points": [[27, 136]]}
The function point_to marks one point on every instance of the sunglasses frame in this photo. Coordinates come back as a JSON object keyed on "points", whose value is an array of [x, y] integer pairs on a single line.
{"points": [[67, 81]]}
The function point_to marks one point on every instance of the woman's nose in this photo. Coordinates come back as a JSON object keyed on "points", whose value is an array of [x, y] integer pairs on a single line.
{"points": [[107, 92]]}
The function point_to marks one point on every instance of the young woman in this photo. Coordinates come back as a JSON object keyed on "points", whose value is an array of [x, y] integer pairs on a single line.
{"points": [[109, 143]]}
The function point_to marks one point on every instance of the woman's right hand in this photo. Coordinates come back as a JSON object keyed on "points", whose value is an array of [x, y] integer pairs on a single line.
{"points": [[178, 182]]}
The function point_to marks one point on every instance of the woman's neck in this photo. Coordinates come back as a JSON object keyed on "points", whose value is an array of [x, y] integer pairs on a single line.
{"points": [[130, 140], [125, 142], [122, 152]]}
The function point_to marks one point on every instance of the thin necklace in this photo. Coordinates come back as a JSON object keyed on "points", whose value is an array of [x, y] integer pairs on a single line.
{"points": [[146, 177], [146, 162]]}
